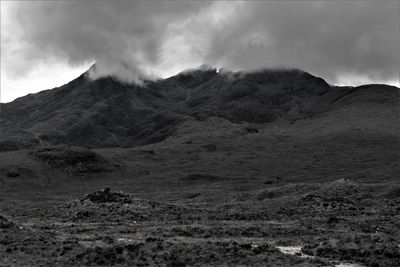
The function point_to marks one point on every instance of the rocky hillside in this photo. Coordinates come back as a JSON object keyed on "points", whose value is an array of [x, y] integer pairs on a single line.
{"points": [[108, 113]]}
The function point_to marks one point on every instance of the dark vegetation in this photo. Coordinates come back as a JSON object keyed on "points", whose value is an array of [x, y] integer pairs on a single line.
{"points": [[76, 160]]}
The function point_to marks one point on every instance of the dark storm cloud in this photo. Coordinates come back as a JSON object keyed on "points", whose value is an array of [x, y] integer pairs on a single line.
{"points": [[328, 38], [121, 36]]}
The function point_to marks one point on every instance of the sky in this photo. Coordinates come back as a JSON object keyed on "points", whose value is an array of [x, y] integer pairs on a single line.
{"points": [[45, 44]]}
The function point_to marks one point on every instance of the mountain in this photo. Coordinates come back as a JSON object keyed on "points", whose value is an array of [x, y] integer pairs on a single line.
{"points": [[109, 113], [203, 168]]}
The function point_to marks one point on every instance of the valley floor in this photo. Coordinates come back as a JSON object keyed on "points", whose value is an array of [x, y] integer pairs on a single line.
{"points": [[225, 195]]}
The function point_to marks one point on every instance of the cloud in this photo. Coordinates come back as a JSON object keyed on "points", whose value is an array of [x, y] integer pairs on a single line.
{"points": [[123, 37], [138, 39], [328, 38]]}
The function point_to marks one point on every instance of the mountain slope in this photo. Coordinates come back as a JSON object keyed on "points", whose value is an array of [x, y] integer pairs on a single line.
{"points": [[106, 112]]}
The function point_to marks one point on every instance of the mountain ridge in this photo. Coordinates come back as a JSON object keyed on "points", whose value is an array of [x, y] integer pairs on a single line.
{"points": [[107, 112]]}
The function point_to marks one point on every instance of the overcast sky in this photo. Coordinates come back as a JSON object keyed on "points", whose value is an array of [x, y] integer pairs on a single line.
{"points": [[45, 44]]}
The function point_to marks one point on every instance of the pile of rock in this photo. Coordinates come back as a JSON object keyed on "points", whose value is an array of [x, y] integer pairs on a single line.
{"points": [[105, 195]]}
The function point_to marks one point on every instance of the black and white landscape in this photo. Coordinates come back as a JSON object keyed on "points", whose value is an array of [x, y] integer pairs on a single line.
{"points": [[212, 166]]}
